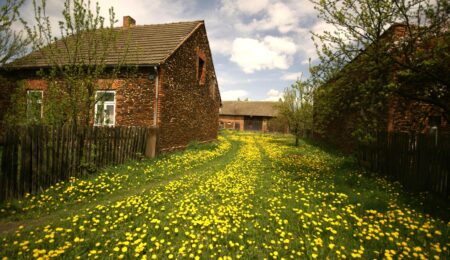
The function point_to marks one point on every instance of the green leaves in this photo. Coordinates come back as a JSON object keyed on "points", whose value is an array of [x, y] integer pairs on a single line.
{"points": [[12, 43], [296, 107], [379, 49], [77, 58]]}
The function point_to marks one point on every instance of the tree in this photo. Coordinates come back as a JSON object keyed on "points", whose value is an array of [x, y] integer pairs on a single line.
{"points": [[365, 59], [77, 59], [12, 43], [422, 56], [296, 108]]}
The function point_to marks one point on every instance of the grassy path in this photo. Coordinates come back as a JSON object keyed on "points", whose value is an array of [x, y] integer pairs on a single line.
{"points": [[257, 197], [155, 182], [112, 184]]}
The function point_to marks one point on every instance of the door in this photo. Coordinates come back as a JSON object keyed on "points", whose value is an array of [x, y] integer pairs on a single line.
{"points": [[252, 123]]}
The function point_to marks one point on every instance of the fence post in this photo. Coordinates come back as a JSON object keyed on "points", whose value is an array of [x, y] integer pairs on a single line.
{"points": [[150, 147]]}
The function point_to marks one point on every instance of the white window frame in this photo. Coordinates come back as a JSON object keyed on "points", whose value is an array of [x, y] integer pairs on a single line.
{"points": [[39, 101], [105, 104]]}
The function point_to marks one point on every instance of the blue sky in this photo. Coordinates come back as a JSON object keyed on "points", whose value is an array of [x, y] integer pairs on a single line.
{"points": [[259, 47]]}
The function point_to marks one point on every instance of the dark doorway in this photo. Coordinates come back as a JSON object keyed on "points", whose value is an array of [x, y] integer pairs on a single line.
{"points": [[252, 123]]}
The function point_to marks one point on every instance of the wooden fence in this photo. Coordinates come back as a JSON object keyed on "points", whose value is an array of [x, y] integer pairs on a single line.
{"points": [[36, 157], [419, 162]]}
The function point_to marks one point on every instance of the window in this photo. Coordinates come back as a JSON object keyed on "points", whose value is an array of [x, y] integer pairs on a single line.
{"points": [[105, 108], [201, 70], [34, 105], [201, 67], [434, 120]]}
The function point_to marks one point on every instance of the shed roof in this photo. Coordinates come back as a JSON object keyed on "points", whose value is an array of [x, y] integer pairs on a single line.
{"points": [[146, 44], [249, 108]]}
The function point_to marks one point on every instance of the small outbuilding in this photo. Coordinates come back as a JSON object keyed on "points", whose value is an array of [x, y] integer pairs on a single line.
{"points": [[247, 115]]}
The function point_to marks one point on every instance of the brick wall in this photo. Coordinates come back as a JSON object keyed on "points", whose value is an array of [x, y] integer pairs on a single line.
{"points": [[134, 96], [9, 82], [412, 116], [135, 99], [7, 86], [189, 106], [339, 132], [230, 122]]}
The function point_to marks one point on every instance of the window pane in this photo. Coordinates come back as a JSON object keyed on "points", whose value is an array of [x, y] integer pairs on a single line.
{"points": [[105, 96], [109, 115], [34, 105], [105, 108], [99, 116], [35, 96]]}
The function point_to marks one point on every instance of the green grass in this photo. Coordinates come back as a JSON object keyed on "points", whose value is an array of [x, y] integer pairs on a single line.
{"points": [[250, 196], [112, 182]]}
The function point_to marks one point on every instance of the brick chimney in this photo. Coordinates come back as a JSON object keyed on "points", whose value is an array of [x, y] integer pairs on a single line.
{"points": [[128, 21]]}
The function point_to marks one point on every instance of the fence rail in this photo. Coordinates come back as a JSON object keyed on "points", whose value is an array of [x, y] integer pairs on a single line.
{"points": [[36, 157], [419, 162]]}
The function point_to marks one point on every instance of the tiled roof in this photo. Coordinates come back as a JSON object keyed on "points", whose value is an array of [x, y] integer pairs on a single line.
{"points": [[249, 108], [147, 45]]}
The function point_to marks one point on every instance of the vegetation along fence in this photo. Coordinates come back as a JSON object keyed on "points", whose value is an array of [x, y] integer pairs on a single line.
{"points": [[36, 157], [419, 162]]}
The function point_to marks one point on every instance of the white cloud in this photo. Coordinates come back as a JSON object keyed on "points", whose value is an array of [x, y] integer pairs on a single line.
{"points": [[221, 46], [273, 95], [146, 12], [280, 44], [308, 48], [270, 53], [305, 43], [292, 18], [234, 94], [284, 17], [292, 76], [251, 7], [279, 16], [322, 26]]}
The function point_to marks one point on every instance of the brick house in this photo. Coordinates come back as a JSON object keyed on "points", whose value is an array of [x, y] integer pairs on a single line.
{"points": [[174, 87], [247, 115], [399, 114]]}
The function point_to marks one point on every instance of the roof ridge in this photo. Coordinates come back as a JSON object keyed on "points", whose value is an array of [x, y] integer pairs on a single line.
{"points": [[156, 24]]}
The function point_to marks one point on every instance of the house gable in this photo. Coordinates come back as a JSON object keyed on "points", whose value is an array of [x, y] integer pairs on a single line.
{"points": [[189, 104]]}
